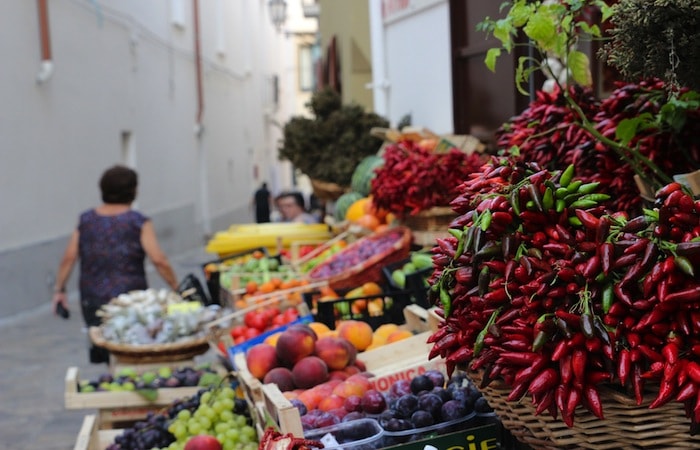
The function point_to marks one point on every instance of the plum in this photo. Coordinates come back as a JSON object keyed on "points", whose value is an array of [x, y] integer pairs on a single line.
{"points": [[422, 419], [353, 403], [481, 405], [298, 404], [353, 415], [436, 377], [308, 422], [401, 387], [431, 403], [452, 410], [443, 393], [373, 402], [405, 406], [421, 383], [398, 425], [385, 417], [326, 419]]}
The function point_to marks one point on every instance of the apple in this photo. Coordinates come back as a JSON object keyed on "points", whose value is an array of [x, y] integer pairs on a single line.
{"points": [[203, 442]]}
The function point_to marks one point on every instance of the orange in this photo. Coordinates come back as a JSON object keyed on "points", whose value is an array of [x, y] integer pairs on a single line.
{"points": [[371, 288], [368, 221], [357, 209], [266, 287], [257, 254], [251, 286]]}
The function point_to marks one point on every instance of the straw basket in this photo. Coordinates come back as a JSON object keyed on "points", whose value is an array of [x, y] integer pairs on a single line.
{"points": [[151, 353], [437, 218], [326, 190], [369, 269], [626, 425]]}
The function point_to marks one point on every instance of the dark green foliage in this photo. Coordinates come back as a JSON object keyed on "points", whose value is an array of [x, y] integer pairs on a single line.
{"points": [[645, 33], [329, 146]]}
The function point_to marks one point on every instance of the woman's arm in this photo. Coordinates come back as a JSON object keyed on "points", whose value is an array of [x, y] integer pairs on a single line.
{"points": [[70, 256], [149, 241]]}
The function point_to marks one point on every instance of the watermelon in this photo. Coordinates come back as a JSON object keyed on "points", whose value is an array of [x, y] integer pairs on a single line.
{"points": [[361, 181], [344, 202]]}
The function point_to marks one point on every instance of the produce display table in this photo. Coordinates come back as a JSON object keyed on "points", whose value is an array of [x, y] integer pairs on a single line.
{"points": [[119, 406]]}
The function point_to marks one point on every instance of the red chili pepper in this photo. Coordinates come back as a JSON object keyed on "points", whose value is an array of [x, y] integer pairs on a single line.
{"points": [[693, 371], [443, 345], [588, 220], [593, 400], [668, 189], [667, 389], [518, 358], [621, 295], [572, 402], [606, 252], [625, 260], [687, 391], [460, 356], [684, 296], [650, 353], [638, 384], [670, 353], [517, 392], [578, 365], [624, 363], [545, 380]]}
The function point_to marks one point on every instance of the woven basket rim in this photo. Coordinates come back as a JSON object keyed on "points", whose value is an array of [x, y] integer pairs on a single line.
{"points": [[183, 346]]}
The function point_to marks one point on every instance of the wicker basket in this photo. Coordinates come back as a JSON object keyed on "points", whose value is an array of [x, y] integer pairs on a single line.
{"points": [[371, 268], [326, 190], [437, 218], [152, 353], [626, 425]]}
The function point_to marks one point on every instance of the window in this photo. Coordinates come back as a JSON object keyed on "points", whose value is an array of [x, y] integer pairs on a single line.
{"points": [[306, 68]]}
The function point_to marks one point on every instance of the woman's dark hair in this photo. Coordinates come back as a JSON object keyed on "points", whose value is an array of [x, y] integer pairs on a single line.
{"points": [[118, 185], [296, 195]]}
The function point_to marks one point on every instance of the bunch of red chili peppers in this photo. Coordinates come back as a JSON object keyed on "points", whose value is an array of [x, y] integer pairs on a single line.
{"points": [[414, 179], [541, 287], [549, 133]]}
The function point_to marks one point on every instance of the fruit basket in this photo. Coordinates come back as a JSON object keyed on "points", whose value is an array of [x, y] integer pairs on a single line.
{"points": [[362, 261], [626, 425], [151, 353]]}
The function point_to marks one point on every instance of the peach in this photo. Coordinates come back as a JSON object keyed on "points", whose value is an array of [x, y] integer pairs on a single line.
{"points": [[357, 332], [338, 375], [398, 335], [331, 402], [309, 371], [282, 377], [295, 343], [361, 379], [260, 359], [333, 351], [349, 388], [352, 370], [310, 399]]}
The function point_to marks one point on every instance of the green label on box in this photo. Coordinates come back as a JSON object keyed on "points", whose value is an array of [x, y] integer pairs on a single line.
{"points": [[481, 438]]}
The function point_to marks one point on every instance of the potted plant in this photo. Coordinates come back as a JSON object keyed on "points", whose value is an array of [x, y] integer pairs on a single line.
{"points": [[328, 146]]}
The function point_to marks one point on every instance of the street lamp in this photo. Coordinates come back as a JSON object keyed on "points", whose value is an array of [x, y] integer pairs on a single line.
{"points": [[278, 12]]}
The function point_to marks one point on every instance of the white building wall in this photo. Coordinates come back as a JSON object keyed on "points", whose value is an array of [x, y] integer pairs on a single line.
{"points": [[123, 66], [415, 39]]}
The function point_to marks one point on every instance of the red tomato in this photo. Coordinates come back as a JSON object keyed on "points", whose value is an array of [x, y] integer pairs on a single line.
{"points": [[255, 319], [250, 333], [279, 320], [237, 331], [291, 314], [239, 340]]}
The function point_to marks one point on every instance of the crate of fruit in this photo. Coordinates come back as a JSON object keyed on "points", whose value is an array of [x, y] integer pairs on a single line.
{"points": [[411, 274], [130, 395], [368, 302], [362, 261]]}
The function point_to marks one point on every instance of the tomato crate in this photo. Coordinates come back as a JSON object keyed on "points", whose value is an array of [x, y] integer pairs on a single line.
{"points": [[120, 406], [376, 310]]}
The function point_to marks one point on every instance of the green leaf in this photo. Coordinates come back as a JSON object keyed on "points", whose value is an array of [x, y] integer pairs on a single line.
{"points": [[580, 68], [149, 394], [627, 129], [541, 28], [502, 31], [520, 13], [491, 55], [523, 72], [673, 114]]}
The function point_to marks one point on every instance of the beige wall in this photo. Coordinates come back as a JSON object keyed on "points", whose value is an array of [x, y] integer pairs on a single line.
{"points": [[349, 22]]}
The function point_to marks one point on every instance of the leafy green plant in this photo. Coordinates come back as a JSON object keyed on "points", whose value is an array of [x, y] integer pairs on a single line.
{"points": [[328, 146], [555, 30], [656, 38]]}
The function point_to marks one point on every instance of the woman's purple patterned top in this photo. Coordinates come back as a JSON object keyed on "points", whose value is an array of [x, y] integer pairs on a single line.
{"points": [[111, 255]]}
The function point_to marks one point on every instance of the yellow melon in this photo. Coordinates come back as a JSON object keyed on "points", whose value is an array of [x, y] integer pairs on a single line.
{"points": [[357, 209]]}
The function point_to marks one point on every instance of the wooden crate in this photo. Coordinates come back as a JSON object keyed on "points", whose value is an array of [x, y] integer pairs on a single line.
{"points": [[91, 437], [401, 360], [251, 386], [119, 406]]}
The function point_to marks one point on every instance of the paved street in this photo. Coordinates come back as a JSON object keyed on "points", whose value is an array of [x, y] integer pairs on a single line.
{"points": [[37, 348]]}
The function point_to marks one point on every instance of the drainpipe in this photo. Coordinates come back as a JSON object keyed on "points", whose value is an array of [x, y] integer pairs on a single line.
{"points": [[199, 127], [46, 67]]}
